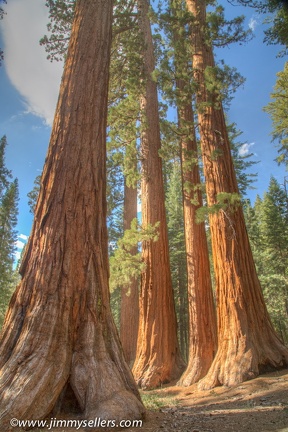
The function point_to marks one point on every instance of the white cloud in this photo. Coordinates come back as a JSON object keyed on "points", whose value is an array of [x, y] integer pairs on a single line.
{"points": [[30, 72], [139, 206], [245, 149], [252, 24], [20, 245], [17, 255]]}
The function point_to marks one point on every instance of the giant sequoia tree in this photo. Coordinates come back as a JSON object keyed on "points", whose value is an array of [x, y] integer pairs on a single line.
{"points": [[202, 317], [247, 342], [158, 358], [59, 340]]}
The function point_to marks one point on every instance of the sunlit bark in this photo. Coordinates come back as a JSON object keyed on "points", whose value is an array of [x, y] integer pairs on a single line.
{"points": [[59, 341], [158, 358], [247, 342], [202, 316]]}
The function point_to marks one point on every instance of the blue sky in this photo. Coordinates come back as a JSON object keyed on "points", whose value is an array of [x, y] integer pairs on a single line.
{"points": [[29, 87]]}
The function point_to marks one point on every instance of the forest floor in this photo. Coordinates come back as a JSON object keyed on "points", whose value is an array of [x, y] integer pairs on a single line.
{"points": [[259, 405]]}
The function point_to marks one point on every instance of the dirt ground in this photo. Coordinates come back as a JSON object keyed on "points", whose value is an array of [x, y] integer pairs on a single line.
{"points": [[259, 405]]}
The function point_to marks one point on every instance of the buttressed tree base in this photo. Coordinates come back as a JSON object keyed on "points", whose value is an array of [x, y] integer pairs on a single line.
{"points": [[247, 342], [59, 342]]}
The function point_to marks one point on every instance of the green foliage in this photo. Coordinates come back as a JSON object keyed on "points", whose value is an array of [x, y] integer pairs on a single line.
{"points": [[278, 110], [5, 174], [6, 294], [277, 32], [115, 303], [222, 81], [124, 264], [225, 202], [245, 178], [8, 222], [9, 196], [173, 55], [242, 163], [223, 32], [267, 225], [61, 13], [174, 205], [33, 195]]}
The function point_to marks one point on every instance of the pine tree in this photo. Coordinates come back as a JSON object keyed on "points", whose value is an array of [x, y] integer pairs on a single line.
{"points": [[8, 234], [33, 194], [174, 205], [278, 110], [274, 254], [5, 174], [266, 223]]}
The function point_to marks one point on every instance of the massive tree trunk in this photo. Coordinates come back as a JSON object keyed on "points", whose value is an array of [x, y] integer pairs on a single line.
{"points": [[247, 342], [158, 358], [59, 340], [129, 316], [202, 316]]}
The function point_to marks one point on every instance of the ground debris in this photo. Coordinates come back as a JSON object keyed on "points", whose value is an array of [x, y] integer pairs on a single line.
{"points": [[259, 405]]}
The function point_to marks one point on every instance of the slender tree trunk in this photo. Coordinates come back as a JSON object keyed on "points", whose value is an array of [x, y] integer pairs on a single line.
{"points": [[59, 337], [202, 316], [129, 318], [247, 342], [158, 358]]}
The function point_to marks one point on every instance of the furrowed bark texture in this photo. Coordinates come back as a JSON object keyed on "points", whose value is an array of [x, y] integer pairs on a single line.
{"points": [[158, 358], [202, 316], [129, 319], [59, 337], [247, 342]]}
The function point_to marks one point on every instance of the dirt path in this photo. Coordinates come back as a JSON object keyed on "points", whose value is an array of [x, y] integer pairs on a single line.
{"points": [[260, 405]]}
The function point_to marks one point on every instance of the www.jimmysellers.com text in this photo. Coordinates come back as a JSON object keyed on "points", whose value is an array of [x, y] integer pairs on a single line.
{"points": [[55, 423]]}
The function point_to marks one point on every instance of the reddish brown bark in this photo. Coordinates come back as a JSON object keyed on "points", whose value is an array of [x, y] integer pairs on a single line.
{"points": [[129, 318], [59, 337], [202, 316], [158, 358], [247, 342]]}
